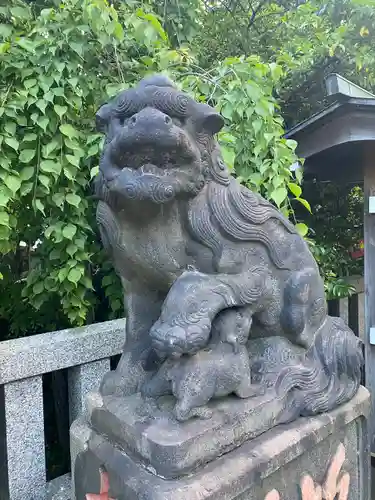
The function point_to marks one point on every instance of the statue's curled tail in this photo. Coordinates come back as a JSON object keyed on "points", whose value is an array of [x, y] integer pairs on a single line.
{"points": [[328, 376]]}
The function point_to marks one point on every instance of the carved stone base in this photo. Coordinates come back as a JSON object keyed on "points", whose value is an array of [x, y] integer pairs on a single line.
{"points": [[147, 429], [319, 455]]}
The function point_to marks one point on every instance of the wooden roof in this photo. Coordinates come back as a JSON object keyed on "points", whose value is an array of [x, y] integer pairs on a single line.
{"points": [[332, 141]]}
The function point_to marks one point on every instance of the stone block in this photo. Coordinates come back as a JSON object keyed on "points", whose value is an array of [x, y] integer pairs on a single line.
{"points": [[48, 352], [147, 429], [59, 488], [329, 451], [23, 468], [82, 380]]}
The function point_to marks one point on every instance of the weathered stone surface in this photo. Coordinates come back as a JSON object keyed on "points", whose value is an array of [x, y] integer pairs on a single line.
{"points": [[147, 430], [84, 379], [224, 300], [208, 265], [278, 459], [22, 459], [38, 354], [59, 488]]}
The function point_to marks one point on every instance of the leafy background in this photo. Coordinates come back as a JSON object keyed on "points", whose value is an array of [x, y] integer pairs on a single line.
{"points": [[261, 63]]}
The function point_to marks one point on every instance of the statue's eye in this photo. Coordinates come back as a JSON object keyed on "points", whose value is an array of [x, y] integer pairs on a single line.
{"points": [[221, 164]]}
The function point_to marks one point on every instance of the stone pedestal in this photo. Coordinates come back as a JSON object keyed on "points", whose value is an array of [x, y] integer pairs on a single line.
{"points": [[289, 462]]}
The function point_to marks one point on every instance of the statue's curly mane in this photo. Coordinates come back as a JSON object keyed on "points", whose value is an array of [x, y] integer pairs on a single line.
{"points": [[235, 212]]}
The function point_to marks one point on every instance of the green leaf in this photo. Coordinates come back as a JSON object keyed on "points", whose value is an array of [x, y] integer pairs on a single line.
{"points": [[68, 130], [60, 110], [75, 275], [5, 30], [305, 203], [87, 283], [38, 288], [279, 195], [50, 146], [11, 128], [94, 172], [295, 189], [4, 219], [41, 104], [22, 121], [71, 249], [4, 198], [55, 254], [291, 144], [58, 199], [26, 155], [26, 188], [154, 21], [107, 280], [228, 156], [50, 166], [30, 83], [69, 231], [43, 122], [73, 160], [26, 173], [20, 12], [118, 31], [63, 273], [44, 180], [302, 229], [70, 172], [13, 183], [38, 205], [73, 199], [30, 138], [12, 142], [4, 47]]}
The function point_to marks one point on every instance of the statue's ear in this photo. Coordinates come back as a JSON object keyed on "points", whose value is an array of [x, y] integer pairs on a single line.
{"points": [[102, 117], [213, 123], [208, 119]]}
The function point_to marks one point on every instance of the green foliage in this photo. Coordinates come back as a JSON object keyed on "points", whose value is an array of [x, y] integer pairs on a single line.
{"points": [[181, 19], [337, 228], [60, 61], [309, 38], [252, 143], [57, 66]]}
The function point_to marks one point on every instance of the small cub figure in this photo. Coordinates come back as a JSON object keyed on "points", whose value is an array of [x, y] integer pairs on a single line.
{"points": [[211, 373]]}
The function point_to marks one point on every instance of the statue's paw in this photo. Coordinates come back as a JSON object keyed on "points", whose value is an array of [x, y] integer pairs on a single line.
{"points": [[184, 413], [174, 341], [202, 412], [153, 389], [115, 384], [112, 384], [248, 390]]}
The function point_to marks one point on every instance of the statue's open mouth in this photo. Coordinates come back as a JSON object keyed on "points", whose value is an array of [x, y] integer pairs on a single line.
{"points": [[151, 158], [163, 152]]}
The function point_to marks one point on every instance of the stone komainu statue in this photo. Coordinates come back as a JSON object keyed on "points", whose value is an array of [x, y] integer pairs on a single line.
{"points": [[207, 265]]}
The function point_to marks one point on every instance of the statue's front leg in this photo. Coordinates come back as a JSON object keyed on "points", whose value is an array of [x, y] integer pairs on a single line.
{"points": [[143, 308], [195, 299]]}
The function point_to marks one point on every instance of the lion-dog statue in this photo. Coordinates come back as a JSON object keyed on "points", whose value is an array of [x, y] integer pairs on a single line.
{"points": [[203, 260]]}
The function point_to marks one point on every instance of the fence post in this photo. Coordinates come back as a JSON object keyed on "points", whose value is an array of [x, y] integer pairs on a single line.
{"points": [[25, 467], [83, 379]]}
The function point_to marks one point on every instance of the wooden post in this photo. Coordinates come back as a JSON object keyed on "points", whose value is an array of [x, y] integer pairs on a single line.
{"points": [[369, 279]]}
